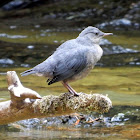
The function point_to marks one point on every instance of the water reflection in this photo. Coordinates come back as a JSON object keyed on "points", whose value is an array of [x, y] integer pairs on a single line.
{"points": [[119, 132]]}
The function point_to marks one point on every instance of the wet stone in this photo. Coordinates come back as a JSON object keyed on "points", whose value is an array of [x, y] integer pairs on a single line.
{"points": [[6, 61]]}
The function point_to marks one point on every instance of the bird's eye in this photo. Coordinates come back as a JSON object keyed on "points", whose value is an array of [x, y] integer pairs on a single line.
{"points": [[96, 33]]}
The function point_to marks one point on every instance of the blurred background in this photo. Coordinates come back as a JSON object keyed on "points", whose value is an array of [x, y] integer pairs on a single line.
{"points": [[31, 30]]}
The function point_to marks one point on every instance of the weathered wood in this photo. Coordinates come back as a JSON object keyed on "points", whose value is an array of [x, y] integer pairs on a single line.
{"points": [[26, 103]]}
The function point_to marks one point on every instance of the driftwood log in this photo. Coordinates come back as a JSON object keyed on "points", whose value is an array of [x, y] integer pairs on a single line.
{"points": [[26, 103]]}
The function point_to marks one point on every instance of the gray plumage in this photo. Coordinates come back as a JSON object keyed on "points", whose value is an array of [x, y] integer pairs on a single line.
{"points": [[73, 59]]}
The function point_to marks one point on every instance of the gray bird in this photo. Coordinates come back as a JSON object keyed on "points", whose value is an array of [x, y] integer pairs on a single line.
{"points": [[72, 60]]}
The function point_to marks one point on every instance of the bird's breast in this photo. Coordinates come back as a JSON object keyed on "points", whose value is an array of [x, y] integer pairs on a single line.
{"points": [[94, 55], [99, 53]]}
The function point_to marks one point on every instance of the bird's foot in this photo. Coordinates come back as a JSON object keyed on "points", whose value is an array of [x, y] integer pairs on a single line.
{"points": [[76, 94], [71, 90]]}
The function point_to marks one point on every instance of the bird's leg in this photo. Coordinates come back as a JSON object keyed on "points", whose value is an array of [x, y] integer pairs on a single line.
{"points": [[70, 89]]}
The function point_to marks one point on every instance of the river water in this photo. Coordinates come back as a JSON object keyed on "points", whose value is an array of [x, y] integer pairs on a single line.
{"points": [[117, 75]]}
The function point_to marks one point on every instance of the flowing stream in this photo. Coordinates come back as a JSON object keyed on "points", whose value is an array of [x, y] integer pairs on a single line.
{"points": [[117, 75]]}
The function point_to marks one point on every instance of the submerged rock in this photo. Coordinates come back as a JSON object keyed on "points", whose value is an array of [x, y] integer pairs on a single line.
{"points": [[117, 49], [25, 65], [12, 36], [121, 22], [120, 59], [73, 13], [30, 47], [118, 118], [19, 4], [118, 23], [6, 61], [105, 42], [13, 127], [13, 27], [110, 48], [115, 117], [134, 12]]}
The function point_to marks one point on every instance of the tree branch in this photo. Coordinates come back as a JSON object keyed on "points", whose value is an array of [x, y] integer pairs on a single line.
{"points": [[26, 103]]}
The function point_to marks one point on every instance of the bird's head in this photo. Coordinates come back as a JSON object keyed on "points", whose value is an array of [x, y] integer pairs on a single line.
{"points": [[94, 34]]}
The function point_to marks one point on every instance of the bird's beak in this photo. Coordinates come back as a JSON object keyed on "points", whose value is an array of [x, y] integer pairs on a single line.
{"points": [[106, 34]]}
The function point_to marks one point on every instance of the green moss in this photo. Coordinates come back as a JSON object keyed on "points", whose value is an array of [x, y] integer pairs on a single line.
{"points": [[48, 104], [67, 102]]}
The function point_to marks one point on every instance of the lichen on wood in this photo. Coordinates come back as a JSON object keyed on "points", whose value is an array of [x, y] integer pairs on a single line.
{"points": [[66, 102], [26, 103], [90, 102]]}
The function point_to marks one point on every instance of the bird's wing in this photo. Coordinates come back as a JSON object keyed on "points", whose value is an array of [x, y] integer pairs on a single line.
{"points": [[68, 44], [72, 64]]}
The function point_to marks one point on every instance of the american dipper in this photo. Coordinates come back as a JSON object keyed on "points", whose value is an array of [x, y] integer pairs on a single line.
{"points": [[72, 60]]}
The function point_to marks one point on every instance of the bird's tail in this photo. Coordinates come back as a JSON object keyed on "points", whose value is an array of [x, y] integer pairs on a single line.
{"points": [[27, 72]]}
